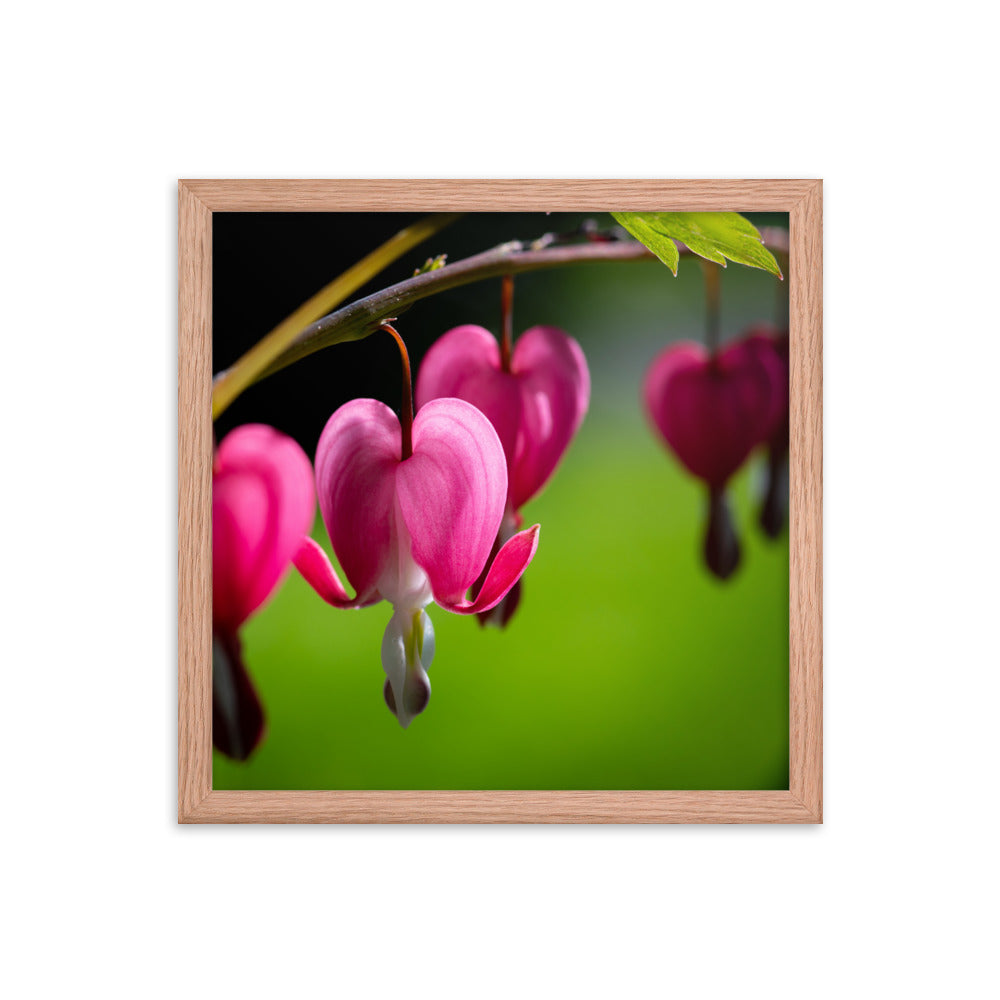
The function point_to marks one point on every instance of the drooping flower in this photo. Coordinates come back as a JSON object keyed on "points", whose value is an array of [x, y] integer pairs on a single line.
{"points": [[411, 520], [713, 410], [262, 503], [535, 396]]}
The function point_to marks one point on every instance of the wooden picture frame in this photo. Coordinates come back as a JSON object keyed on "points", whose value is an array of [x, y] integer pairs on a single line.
{"points": [[199, 803]]}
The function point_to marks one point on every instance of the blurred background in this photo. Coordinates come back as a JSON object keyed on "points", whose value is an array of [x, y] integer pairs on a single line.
{"points": [[627, 665]]}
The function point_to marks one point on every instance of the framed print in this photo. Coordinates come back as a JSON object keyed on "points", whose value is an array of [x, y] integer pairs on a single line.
{"points": [[500, 501]]}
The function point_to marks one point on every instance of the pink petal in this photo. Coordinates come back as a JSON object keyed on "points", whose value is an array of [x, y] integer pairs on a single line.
{"points": [[242, 540], [262, 504], [465, 364], [555, 393], [314, 564], [451, 494], [536, 408], [356, 460], [447, 365], [511, 561]]}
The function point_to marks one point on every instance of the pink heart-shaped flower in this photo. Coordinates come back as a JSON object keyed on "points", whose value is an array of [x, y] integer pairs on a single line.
{"points": [[412, 530], [712, 410], [262, 504], [536, 407]]}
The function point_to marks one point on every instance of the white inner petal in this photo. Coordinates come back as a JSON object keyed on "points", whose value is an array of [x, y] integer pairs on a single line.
{"points": [[403, 583]]}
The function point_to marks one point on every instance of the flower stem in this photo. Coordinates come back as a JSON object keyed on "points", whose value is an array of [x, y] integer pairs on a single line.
{"points": [[712, 309], [406, 408], [363, 317], [506, 320]]}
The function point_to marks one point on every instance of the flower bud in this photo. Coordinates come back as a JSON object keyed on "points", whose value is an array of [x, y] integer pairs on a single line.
{"points": [[407, 652], [722, 547]]}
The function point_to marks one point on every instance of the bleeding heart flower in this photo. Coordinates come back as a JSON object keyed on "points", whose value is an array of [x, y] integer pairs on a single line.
{"points": [[535, 397], [411, 522], [262, 503], [712, 410]]}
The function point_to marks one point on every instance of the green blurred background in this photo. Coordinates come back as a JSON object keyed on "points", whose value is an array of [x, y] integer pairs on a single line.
{"points": [[627, 665]]}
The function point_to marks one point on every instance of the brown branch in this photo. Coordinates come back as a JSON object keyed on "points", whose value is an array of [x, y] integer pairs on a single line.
{"points": [[359, 319]]}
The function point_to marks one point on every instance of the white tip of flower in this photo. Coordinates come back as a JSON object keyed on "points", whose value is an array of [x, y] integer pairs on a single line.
{"points": [[407, 652]]}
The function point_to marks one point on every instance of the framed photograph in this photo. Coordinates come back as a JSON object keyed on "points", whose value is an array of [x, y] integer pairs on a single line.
{"points": [[500, 501]]}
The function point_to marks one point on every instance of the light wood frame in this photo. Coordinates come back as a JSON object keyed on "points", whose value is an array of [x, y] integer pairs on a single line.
{"points": [[199, 803]]}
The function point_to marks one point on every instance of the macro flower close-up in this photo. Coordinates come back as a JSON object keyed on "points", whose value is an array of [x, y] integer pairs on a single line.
{"points": [[641, 640], [412, 519]]}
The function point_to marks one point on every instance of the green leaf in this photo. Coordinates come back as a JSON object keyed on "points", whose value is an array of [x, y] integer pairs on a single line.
{"points": [[660, 243], [716, 236], [432, 264]]}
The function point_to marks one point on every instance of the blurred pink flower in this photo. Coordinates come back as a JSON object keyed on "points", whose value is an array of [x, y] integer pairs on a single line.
{"points": [[535, 406], [712, 411], [413, 529], [263, 502]]}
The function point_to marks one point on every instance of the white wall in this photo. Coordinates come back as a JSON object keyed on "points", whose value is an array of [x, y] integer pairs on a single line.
{"points": [[106, 106]]}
